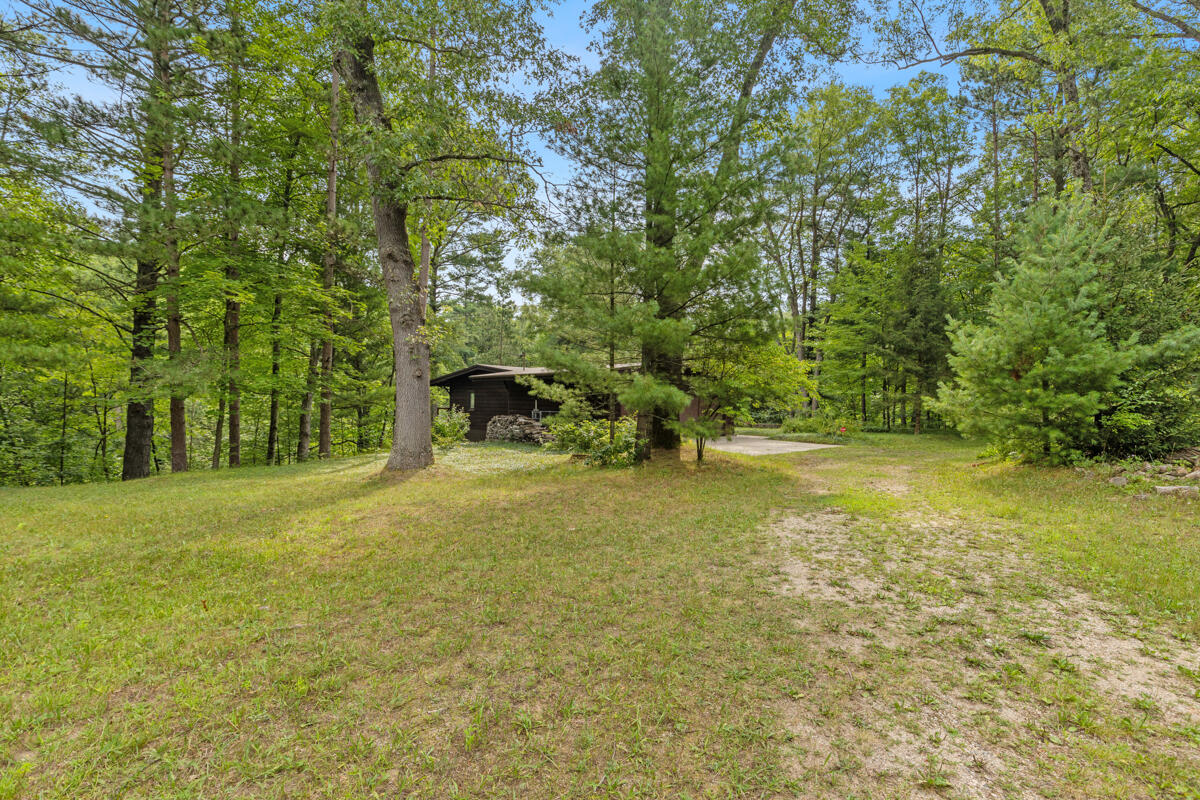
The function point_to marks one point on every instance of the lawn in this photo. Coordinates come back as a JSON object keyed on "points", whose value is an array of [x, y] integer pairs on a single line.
{"points": [[510, 624]]}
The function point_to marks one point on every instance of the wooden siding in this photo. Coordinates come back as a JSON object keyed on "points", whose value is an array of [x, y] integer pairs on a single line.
{"points": [[492, 397]]}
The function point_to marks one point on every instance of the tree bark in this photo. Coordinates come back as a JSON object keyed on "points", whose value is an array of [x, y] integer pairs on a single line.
{"points": [[412, 447], [274, 455], [304, 437], [139, 411]]}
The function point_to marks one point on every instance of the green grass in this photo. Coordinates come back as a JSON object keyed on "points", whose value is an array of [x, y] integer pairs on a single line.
{"points": [[509, 624], [503, 625]]}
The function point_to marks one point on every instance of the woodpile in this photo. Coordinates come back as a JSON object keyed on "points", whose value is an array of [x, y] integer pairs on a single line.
{"points": [[517, 428]]}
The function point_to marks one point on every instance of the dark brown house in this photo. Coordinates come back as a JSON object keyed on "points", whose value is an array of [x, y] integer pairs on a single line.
{"points": [[487, 390]]}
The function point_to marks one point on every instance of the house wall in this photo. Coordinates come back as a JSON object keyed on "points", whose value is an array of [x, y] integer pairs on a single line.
{"points": [[520, 401], [492, 397]]}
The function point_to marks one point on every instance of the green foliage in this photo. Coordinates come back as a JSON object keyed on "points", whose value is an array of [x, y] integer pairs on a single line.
{"points": [[450, 426], [1034, 375], [823, 423], [600, 442]]}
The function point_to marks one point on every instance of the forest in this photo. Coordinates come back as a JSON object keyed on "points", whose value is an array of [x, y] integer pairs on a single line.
{"points": [[240, 232]]}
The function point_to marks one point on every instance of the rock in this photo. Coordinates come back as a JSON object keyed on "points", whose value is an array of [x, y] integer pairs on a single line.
{"points": [[1141, 496], [1120, 480], [1193, 476], [1187, 491], [1178, 472], [516, 428]]}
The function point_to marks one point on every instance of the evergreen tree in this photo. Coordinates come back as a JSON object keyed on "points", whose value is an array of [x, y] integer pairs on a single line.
{"points": [[1034, 374]]}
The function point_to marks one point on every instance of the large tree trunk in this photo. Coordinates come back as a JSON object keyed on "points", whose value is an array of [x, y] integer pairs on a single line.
{"points": [[233, 361], [412, 447], [139, 412]]}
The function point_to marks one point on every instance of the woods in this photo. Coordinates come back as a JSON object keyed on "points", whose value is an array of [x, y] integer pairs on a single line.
{"points": [[250, 233]]}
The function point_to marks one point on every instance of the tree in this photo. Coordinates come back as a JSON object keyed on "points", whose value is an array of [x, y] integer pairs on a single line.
{"points": [[430, 146], [666, 115], [1033, 376]]}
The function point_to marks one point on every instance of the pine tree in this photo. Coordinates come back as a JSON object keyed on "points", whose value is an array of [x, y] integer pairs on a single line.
{"points": [[1033, 375]]}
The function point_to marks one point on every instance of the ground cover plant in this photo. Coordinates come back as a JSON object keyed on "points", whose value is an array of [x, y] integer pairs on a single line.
{"points": [[861, 620]]}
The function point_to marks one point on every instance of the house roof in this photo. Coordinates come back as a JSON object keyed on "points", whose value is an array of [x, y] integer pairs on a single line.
{"points": [[478, 372]]}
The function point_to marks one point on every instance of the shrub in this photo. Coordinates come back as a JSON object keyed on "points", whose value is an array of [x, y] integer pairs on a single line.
{"points": [[590, 438], [450, 426], [825, 424]]}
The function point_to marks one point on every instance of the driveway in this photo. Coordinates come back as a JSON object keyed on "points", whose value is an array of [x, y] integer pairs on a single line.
{"points": [[762, 446]]}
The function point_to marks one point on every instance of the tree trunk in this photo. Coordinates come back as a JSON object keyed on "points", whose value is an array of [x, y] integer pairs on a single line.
{"points": [[216, 458], [325, 432], [273, 414], [178, 408], [233, 307], [304, 438], [139, 412], [412, 446], [863, 394], [274, 455]]}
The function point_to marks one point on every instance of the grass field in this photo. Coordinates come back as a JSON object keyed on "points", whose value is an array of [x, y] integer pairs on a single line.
{"points": [[880, 620]]}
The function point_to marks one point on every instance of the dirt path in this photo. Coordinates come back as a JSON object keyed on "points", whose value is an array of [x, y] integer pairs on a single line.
{"points": [[942, 660], [762, 446]]}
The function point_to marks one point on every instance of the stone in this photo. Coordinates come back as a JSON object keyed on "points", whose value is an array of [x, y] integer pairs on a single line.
{"points": [[1120, 480], [517, 428], [1193, 476], [1187, 491]]}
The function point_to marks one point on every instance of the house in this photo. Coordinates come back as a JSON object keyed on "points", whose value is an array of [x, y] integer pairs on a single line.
{"points": [[488, 390]]}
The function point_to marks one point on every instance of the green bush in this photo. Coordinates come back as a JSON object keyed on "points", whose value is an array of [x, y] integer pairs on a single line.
{"points": [[590, 438], [450, 427], [827, 425]]}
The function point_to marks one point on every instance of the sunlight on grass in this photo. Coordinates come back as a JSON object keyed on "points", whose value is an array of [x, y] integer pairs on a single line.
{"points": [[503, 624]]}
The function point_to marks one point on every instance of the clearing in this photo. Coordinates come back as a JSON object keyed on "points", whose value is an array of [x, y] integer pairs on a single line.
{"points": [[885, 619]]}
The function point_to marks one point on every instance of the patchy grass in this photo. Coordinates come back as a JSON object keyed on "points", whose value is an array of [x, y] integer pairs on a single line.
{"points": [[989, 630], [879, 620]]}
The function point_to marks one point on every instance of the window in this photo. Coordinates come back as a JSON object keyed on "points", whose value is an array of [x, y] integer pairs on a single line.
{"points": [[472, 402]]}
